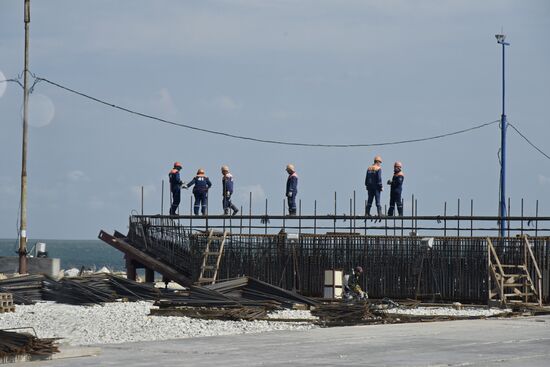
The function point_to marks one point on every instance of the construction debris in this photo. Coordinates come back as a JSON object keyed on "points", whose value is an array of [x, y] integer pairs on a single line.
{"points": [[14, 344]]}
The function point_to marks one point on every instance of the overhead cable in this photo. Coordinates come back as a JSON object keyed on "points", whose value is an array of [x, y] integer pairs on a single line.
{"points": [[529, 141], [268, 141]]}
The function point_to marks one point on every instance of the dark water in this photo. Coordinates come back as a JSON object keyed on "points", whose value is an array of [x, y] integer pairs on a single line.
{"points": [[73, 253]]}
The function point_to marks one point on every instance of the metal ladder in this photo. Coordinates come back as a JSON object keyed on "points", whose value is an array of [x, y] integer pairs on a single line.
{"points": [[209, 268]]}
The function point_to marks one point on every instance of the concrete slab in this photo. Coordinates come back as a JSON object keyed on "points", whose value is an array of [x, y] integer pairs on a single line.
{"points": [[35, 265], [492, 342]]}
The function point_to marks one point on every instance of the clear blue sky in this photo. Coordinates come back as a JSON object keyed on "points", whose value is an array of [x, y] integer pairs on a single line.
{"points": [[309, 71]]}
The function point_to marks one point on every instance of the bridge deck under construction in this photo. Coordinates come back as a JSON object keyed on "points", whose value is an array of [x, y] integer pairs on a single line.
{"points": [[293, 252]]}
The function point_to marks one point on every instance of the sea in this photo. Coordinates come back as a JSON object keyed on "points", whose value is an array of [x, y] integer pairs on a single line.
{"points": [[90, 254]]}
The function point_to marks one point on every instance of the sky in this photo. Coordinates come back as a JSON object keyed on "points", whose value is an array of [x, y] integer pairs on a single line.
{"points": [[326, 72]]}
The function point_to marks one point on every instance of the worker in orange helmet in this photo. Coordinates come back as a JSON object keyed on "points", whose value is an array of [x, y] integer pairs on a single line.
{"points": [[200, 191], [396, 184], [373, 183], [175, 186]]}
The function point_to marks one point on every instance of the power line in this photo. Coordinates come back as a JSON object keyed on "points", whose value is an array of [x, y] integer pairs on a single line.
{"points": [[528, 141], [12, 80], [268, 141]]}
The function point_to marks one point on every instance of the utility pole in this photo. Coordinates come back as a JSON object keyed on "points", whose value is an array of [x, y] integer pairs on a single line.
{"points": [[502, 205], [23, 219]]}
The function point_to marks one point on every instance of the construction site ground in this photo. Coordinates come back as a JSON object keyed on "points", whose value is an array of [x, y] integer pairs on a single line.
{"points": [[518, 341]]}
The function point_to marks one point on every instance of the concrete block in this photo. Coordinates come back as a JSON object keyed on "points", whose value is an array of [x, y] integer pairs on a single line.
{"points": [[36, 265]]}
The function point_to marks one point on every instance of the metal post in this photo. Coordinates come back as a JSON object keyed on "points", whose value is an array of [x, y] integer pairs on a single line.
{"points": [[23, 218], [142, 200], [162, 198], [502, 207]]}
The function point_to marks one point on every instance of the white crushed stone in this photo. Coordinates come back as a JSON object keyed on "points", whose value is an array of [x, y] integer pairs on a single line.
{"points": [[292, 314], [448, 311], [125, 322]]}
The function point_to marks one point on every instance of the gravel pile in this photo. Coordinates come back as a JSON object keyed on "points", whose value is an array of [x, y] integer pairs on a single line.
{"points": [[125, 322], [448, 311]]}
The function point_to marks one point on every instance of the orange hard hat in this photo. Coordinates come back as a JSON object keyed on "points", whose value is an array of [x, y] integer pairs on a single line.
{"points": [[177, 164], [200, 171], [377, 159], [398, 164]]}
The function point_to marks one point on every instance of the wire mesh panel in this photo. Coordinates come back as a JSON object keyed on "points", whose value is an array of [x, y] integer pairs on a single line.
{"points": [[450, 268]]}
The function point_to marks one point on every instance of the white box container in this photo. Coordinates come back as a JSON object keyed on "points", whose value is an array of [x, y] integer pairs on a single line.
{"points": [[332, 288]]}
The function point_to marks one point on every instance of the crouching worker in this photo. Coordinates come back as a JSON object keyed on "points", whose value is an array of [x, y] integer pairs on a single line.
{"points": [[352, 287]]}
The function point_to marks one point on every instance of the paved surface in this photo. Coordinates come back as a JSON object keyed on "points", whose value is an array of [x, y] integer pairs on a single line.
{"points": [[494, 342]]}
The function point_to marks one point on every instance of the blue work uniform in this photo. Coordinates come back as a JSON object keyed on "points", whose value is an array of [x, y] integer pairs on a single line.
{"points": [[395, 193], [291, 192], [200, 191], [373, 183], [227, 186], [175, 189]]}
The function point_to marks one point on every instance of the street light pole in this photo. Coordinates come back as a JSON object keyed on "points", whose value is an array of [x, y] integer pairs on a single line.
{"points": [[23, 219], [502, 205]]}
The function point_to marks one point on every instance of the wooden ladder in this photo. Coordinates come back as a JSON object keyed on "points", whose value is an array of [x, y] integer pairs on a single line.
{"points": [[211, 258], [512, 283]]}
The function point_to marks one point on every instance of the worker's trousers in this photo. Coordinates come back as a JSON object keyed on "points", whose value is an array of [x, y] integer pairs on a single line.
{"points": [[291, 204], [201, 202], [227, 204], [374, 194], [176, 197], [395, 200]]}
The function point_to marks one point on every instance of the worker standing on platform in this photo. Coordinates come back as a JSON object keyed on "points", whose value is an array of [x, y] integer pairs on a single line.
{"points": [[227, 191], [200, 191], [175, 187], [373, 182], [291, 188], [396, 189]]}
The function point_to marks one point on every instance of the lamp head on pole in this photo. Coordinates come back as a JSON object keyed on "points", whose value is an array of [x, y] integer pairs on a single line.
{"points": [[500, 39]]}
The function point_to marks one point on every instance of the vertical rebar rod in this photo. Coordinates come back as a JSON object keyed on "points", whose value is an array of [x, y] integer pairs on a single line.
{"points": [[416, 216], [354, 212], [335, 213], [366, 218], [284, 214], [458, 218], [508, 218], [522, 217], [250, 213], [190, 214], [141, 199], [412, 212], [350, 215], [471, 216], [162, 198], [266, 216], [300, 218], [537, 220], [315, 217], [445, 219]]}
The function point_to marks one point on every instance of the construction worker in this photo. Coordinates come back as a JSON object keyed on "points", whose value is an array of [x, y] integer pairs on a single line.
{"points": [[396, 184], [352, 287], [200, 191], [175, 187], [227, 191], [291, 188], [373, 182]]}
